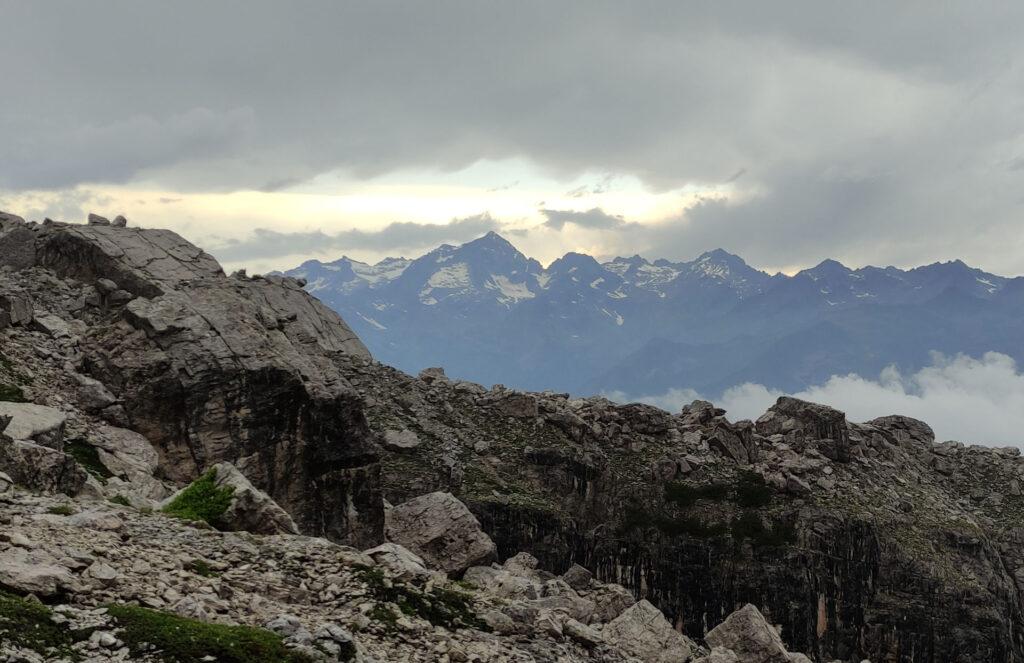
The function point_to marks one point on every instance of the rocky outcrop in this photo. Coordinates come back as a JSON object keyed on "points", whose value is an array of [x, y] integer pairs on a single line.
{"points": [[440, 529], [208, 368], [861, 541]]}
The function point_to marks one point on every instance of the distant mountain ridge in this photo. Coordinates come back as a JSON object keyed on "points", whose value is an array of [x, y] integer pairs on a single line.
{"points": [[490, 314]]}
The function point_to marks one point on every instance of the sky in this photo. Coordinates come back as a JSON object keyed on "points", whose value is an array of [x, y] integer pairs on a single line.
{"points": [[787, 132]]}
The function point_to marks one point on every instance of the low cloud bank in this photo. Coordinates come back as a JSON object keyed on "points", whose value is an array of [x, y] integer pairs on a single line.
{"points": [[978, 401]]}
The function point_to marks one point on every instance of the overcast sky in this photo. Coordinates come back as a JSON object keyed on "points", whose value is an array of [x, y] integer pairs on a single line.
{"points": [[787, 132]]}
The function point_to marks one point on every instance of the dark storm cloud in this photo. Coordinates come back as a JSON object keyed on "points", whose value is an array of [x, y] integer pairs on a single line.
{"points": [[265, 243], [915, 105]]}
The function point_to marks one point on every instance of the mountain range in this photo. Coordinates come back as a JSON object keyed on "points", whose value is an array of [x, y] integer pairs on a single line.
{"points": [[488, 313]]}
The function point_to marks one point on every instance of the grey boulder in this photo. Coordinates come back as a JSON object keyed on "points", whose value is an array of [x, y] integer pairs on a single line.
{"points": [[643, 632], [747, 633], [441, 529]]}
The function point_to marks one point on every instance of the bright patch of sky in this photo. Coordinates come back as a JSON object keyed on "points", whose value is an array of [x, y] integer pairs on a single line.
{"points": [[513, 192]]}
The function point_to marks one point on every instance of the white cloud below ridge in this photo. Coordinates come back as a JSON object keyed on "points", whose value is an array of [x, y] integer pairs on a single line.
{"points": [[973, 400]]}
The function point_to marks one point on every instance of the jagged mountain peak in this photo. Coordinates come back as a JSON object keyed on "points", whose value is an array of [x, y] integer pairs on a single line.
{"points": [[827, 269], [492, 241], [573, 260], [719, 254]]}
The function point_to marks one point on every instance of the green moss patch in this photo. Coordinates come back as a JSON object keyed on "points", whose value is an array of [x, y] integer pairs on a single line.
{"points": [[202, 501], [120, 500], [27, 624], [440, 606], [62, 510], [12, 393], [750, 527], [201, 567], [685, 494], [180, 640], [88, 457], [638, 518], [748, 490]]}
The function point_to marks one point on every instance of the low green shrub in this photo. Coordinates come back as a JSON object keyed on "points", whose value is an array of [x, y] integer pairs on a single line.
{"points": [[119, 499], [27, 624], [180, 640], [202, 500], [440, 606], [12, 393], [201, 567], [748, 490]]}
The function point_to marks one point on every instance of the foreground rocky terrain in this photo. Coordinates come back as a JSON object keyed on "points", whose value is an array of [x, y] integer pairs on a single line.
{"points": [[130, 366]]}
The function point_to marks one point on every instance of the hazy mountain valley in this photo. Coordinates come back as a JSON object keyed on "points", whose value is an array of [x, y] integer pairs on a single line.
{"points": [[488, 313]]}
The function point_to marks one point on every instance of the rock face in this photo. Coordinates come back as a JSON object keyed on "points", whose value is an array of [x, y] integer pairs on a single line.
{"points": [[208, 368], [440, 529]]}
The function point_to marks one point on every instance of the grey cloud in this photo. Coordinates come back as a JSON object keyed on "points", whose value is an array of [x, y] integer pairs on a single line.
{"points": [[265, 243], [912, 103], [72, 205], [594, 219], [47, 153]]}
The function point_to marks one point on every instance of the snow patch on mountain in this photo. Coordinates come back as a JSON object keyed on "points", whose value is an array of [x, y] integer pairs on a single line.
{"points": [[450, 277], [511, 292], [384, 271], [317, 284]]}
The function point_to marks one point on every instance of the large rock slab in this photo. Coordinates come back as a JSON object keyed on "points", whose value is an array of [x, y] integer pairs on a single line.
{"points": [[441, 529], [41, 468], [749, 635], [35, 423], [642, 631], [34, 572], [124, 451]]}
